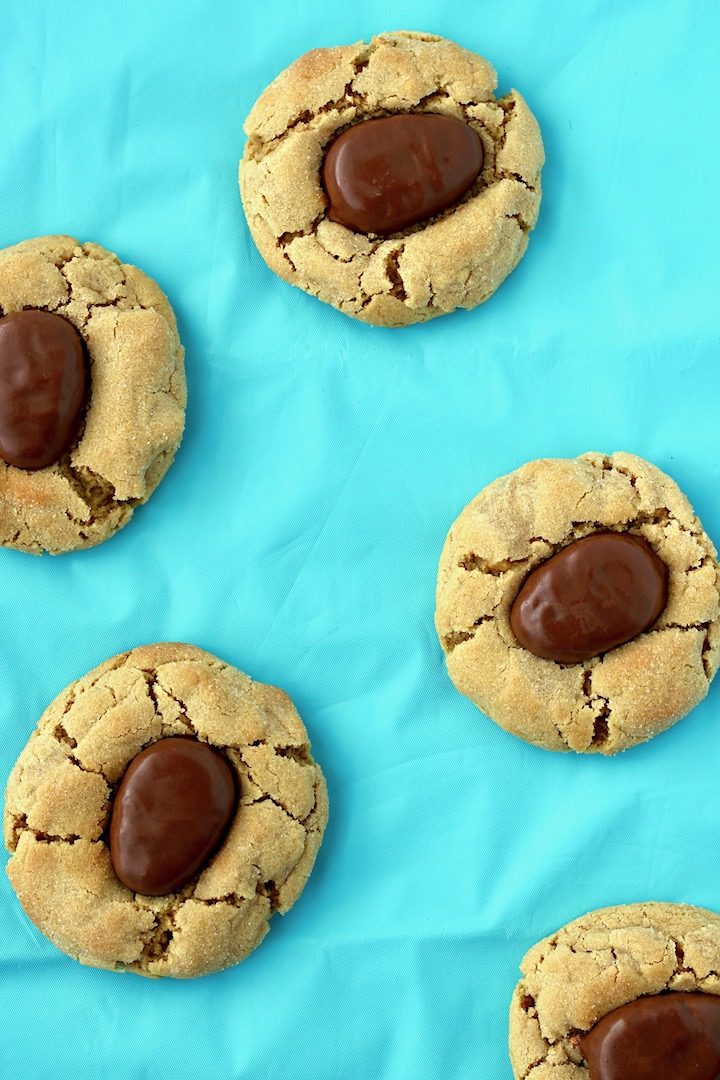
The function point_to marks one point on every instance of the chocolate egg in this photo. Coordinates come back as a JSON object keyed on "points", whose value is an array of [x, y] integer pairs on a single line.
{"points": [[386, 174], [43, 386], [592, 596], [170, 813], [659, 1037]]}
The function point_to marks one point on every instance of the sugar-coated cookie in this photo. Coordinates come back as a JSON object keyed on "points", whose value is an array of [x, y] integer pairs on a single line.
{"points": [[163, 810], [387, 180], [92, 393], [578, 603], [624, 993]]}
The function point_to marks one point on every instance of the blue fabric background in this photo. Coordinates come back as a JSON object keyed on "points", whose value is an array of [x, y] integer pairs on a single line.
{"points": [[297, 534]]}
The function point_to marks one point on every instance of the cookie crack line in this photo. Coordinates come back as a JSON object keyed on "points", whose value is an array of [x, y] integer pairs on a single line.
{"points": [[267, 797], [459, 637], [21, 826], [62, 265], [94, 490], [392, 271], [600, 706], [75, 690], [153, 683], [158, 945], [61, 736], [349, 97], [259, 149], [473, 561], [41, 837], [520, 221]]}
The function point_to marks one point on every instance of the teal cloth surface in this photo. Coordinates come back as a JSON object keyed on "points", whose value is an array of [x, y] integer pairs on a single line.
{"points": [[298, 532]]}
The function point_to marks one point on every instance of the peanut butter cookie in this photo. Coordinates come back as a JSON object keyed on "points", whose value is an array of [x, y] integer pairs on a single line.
{"points": [[625, 992], [92, 393], [387, 180], [163, 810], [578, 603]]}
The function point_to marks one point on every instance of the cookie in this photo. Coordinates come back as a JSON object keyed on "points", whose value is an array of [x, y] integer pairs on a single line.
{"points": [[163, 810], [387, 180], [656, 964], [92, 393], [600, 647]]}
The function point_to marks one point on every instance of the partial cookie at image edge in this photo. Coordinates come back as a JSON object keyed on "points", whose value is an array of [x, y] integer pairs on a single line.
{"points": [[598, 963], [135, 415]]}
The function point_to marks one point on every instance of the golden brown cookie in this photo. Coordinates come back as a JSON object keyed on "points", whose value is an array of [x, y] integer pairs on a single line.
{"points": [[133, 420], [599, 963], [610, 701], [459, 257], [59, 801]]}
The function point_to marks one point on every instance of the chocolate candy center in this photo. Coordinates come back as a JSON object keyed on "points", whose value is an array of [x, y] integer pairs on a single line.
{"points": [[170, 813], [43, 385], [593, 595], [383, 175], [661, 1037]]}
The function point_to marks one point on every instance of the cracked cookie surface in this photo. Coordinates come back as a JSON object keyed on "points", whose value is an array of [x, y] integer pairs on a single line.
{"points": [[613, 701], [135, 414], [598, 963], [59, 797], [457, 259]]}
